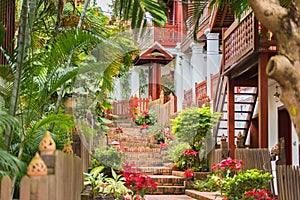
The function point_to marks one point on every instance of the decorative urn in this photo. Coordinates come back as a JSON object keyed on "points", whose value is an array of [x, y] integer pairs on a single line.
{"points": [[37, 168], [47, 145]]}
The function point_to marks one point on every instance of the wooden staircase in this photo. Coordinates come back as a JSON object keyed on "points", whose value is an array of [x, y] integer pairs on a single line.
{"points": [[149, 158], [244, 106]]}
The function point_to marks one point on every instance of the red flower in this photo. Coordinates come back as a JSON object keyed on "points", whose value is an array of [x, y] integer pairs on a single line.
{"points": [[259, 195], [137, 181], [133, 117], [144, 126], [119, 129], [228, 166], [189, 173]]}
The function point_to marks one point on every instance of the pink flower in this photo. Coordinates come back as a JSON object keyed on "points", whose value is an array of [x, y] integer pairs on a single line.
{"points": [[189, 152], [163, 145], [144, 126]]}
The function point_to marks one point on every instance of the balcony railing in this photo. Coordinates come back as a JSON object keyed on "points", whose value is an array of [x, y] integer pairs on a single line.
{"points": [[245, 37], [201, 93], [168, 36], [239, 39]]}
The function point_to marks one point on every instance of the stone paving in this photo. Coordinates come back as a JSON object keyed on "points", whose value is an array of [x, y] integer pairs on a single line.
{"points": [[168, 197]]}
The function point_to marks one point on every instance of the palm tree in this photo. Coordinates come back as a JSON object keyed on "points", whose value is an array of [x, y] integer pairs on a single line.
{"points": [[44, 61]]}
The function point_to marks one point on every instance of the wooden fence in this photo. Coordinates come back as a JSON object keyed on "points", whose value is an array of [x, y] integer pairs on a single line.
{"points": [[288, 182], [63, 182], [164, 110], [187, 99], [254, 158], [123, 108]]}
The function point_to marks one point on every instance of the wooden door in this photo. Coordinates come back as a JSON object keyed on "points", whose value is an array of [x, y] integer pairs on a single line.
{"points": [[285, 131]]}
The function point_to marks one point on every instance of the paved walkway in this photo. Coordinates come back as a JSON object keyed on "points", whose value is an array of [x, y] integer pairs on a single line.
{"points": [[168, 197]]}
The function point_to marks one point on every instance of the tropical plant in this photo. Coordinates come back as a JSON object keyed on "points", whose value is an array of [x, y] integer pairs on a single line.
{"points": [[116, 185], [135, 11], [96, 179]]}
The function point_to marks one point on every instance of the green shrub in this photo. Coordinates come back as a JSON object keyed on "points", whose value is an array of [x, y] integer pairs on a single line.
{"points": [[110, 158], [176, 150], [212, 183], [236, 187], [193, 125]]}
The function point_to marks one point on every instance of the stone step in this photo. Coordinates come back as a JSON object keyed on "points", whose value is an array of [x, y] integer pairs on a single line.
{"points": [[145, 162], [144, 155], [142, 150], [168, 190], [197, 175], [203, 195], [124, 124], [139, 144], [168, 180], [161, 170]]}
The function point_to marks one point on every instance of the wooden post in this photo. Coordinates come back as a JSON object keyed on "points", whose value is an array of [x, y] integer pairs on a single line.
{"points": [[5, 188], [25, 188], [172, 108], [263, 101], [230, 112], [162, 97]]}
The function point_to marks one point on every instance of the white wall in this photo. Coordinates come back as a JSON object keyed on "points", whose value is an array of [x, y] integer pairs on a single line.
{"points": [[273, 124]]}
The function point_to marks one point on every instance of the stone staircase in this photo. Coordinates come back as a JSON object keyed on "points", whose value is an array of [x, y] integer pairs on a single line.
{"points": [[149, 158]]}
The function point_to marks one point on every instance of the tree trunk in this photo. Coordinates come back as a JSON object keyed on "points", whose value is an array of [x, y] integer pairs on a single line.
{"points": [[284, 23]]}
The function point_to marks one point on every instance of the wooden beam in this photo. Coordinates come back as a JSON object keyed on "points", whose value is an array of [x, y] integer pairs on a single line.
{"points": [[230, 112], [263, 101], [246, 83], [224, 15]]}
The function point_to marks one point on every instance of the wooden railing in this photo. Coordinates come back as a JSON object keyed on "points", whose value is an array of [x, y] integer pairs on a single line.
{"points": [[187, 98], [245, 37], [168, 36], [122, 108], [201, 93], [214, 85], [64, 180], [239, 39], [164, 110]]}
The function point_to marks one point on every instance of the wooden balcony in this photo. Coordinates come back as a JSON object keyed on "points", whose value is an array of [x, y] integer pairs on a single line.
{"points": [[168, 36], [242, 40]]}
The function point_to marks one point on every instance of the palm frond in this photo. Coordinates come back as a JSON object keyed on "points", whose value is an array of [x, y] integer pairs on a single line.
{"points": [[62, 119], [10, 165], [135, 11], [8, 124]]}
